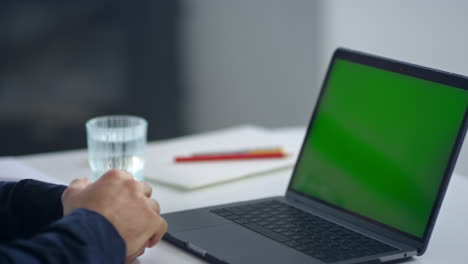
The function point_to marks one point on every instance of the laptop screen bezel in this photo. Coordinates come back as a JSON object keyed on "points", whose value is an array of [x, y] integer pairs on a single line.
{"points": [[456, 81]]}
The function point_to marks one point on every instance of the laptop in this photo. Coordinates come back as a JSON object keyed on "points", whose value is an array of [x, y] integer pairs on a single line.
{"points": [[370, 178]]}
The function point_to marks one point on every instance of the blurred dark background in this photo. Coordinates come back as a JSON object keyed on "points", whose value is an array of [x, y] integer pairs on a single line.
{"points": [[63, 62], [196, 65]]}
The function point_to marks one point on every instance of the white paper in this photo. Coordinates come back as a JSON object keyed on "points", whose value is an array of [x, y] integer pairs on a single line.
{"points": [[192, 175], [14, 170]]}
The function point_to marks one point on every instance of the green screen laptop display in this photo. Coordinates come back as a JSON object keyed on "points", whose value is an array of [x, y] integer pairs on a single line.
{"points": [[380, 144]]}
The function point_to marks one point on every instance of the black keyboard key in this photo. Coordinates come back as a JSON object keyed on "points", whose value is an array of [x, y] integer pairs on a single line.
{"points": [[232, 217], [296, 229], [247, 216], [217, 211], [306, 240], [292, 243], [287, 233], [279, 230], [241, 221], [311, 251], [296, 237], [275, 205], [274, 219], [264, 223], [301, 247], [268, 233], [236, 211]]}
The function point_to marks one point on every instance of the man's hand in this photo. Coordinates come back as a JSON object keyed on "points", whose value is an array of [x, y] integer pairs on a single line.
{"points": [[126, 203]]}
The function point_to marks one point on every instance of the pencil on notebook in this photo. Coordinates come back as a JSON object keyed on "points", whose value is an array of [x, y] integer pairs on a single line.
{"points": [[234, 155], [243, 151]]}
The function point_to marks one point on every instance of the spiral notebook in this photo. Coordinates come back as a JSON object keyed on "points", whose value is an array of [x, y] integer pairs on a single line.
{"points": [[194, 175]]}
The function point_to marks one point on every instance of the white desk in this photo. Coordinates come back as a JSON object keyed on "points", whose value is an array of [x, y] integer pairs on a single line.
{"points": [[448, 243]]}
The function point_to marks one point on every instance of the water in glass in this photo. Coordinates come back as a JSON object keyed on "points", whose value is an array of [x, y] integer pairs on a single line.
{"points": [[117, 148]]}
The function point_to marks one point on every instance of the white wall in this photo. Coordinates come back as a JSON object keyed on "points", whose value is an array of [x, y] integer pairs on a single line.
{"points": [[249, 61], [262, 61], [432, 33]]}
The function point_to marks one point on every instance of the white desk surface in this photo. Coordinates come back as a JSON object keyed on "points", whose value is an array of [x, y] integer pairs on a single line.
{"points": [[448, 244]]}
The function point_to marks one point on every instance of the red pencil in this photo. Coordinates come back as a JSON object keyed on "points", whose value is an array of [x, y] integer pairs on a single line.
{"points": [[239, 156]]}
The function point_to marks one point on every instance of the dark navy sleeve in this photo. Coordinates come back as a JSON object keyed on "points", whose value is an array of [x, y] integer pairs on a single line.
{"points": [[27, 206], [81, 237], [33, 231]]}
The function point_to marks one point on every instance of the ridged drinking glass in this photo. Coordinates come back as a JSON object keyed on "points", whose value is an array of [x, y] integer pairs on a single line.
{"points": [[117, 142]]}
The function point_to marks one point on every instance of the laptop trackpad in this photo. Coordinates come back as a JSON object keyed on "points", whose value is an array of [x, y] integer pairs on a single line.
{"points": [[236, 244]]}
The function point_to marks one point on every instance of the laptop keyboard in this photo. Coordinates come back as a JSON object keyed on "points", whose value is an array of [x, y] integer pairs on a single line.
{"points": [[302, 231]]}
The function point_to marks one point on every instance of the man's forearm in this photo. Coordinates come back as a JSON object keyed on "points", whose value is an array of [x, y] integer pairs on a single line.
{"points": [[28, 206], [81, 237]]}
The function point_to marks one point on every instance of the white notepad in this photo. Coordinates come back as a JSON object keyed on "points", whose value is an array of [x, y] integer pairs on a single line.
{"points": [[193, 175], [12, 169]]}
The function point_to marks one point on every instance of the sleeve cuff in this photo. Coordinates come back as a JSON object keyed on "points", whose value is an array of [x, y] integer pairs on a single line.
{"points": [[95, 234]]}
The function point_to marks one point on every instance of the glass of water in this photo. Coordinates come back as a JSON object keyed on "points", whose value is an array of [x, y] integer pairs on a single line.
{"points": [[117, 142]]}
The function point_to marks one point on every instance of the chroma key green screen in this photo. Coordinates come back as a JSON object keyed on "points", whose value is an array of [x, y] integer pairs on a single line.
{"points": [[380, 144]]}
